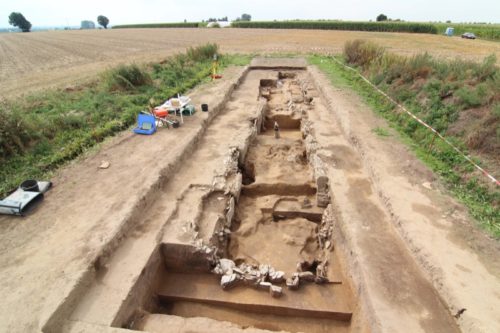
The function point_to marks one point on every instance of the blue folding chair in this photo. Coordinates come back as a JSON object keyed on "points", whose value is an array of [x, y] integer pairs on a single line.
{"points": [[146, 124]]}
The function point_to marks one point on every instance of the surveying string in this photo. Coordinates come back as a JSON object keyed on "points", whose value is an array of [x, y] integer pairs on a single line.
{"points": [[467, 158]]}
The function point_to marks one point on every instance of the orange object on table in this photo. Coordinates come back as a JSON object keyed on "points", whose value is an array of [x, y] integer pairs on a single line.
{"points": [[160, 112]]}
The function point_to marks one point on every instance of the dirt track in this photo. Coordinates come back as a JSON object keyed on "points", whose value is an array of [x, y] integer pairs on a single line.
{"points": [[412, 255], [59, 58]]}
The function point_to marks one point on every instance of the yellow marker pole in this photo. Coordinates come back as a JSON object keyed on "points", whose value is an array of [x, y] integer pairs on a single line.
{"points": [[215, 66]]}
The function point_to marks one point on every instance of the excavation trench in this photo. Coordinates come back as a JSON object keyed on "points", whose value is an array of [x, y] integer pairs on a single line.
{"points": [[253, 195], [241, 231], [275, 223]]}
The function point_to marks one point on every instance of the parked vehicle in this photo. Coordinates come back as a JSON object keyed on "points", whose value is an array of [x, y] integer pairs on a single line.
{"points": [[468, 35]]}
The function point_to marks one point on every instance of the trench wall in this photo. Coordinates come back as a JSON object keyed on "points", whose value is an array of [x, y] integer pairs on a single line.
{"points": [[56, 318]]}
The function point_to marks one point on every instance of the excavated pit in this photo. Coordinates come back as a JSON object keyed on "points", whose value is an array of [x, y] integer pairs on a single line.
{"points": [[260, 203], [278, 220], [238, 232]]}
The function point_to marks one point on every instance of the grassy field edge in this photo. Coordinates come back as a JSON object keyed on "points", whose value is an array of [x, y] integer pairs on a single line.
{"points": [[42, 132], [472, 194]]}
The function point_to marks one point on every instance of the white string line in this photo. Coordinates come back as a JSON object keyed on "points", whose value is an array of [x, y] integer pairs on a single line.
{"points": [[484, 172]]}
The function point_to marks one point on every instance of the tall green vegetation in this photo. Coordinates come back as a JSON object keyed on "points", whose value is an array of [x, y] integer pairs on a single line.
{"points": [[460, 99], [18, 20], [447, 94], [486, 31], [341, 25], [158, 25], [39, 133], [126, 78]]}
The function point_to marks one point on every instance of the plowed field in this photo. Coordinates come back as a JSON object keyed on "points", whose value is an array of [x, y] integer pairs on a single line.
{"points": [[59, 58]]}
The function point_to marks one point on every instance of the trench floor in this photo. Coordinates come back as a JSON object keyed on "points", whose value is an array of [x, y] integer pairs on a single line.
{"points": [[272, 226]]}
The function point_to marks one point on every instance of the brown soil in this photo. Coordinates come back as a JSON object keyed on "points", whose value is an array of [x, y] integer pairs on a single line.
{"points": [[92, 257], [62, 58], [270, 228]]}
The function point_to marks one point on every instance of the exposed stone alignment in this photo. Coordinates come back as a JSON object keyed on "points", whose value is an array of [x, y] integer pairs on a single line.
{"points": [[228, 182], [265, 277]]}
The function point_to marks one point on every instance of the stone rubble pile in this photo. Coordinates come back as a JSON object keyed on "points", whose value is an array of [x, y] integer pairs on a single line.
{"points": [[226, 175], [265, 277], [326, 230], [262, 277], [316, 163], [304, 274], [319, 266], [298, 278], [299, 96]]}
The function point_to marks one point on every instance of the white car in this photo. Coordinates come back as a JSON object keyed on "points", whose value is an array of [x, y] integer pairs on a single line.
{"points": [[468, 35]]}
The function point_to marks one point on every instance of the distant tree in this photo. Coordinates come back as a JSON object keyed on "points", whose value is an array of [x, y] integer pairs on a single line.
{"points": [[381, 18], [18, 20], [246, 17], [103, 20]]}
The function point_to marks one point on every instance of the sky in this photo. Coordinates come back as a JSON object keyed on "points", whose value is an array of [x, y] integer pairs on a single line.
{"points": [[72, 12]]}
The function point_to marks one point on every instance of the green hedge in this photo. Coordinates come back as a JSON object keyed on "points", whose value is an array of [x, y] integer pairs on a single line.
{"points": [[159, 25], [341, 25]]}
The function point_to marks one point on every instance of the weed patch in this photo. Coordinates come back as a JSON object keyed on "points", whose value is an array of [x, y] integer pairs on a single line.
{"points": [[460, 177], [381, 132], [440, 91], [43, 131], [126, 77]]}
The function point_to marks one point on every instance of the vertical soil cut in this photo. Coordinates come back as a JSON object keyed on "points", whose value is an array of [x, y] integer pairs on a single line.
{"points": [[277, 227]]}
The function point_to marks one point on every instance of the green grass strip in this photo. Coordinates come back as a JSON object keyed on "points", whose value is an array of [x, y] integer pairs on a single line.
{"points": [[441, 159], [41, 132]]}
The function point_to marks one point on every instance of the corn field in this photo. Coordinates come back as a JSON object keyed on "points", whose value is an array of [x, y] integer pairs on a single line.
{"points": [[341, 25]]}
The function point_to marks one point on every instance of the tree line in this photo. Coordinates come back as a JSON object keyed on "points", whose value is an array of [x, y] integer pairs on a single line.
{"points": [[18, 20]]}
